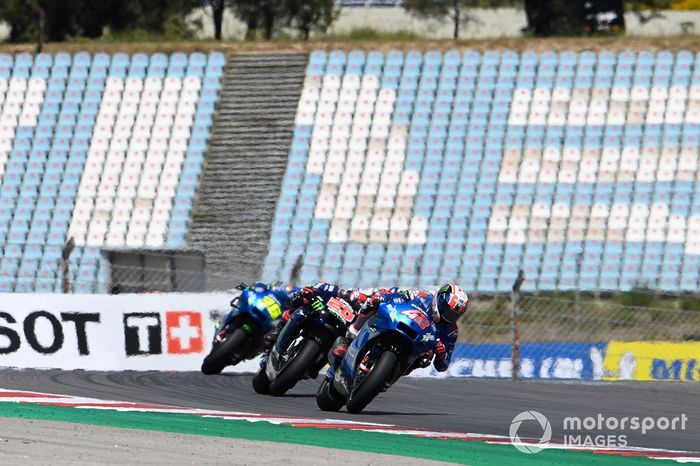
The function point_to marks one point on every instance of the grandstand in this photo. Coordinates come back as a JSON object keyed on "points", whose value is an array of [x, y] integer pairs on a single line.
{"points": [[104, 149], [416, 168]]}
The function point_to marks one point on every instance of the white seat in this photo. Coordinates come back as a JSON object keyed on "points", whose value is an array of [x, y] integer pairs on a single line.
{"points": [[556, 234], [134, 239]]}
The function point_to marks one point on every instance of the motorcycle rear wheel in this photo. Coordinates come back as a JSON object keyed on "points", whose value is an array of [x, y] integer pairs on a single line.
{"points": [[373, 383], [302, 363], [222, 355]]}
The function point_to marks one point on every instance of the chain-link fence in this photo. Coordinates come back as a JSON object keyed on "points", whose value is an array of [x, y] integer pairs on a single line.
{"points": [[578, 339], [553, 320], [502, 335]]}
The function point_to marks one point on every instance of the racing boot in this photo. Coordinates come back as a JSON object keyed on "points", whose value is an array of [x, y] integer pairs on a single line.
{"points": [[338, 350], [271, 336]]}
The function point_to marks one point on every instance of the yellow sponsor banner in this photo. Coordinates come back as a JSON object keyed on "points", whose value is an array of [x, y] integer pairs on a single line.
{"points": [[646, 360]]}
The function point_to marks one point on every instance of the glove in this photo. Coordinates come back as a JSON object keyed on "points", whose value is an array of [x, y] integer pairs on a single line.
{"points": [[440, 351], [355, 298], [302, 297], [372, 304]]}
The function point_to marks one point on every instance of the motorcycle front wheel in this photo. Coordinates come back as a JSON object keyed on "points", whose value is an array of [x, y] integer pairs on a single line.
{"points": [[302, 363], [261, 384], [223, 354], [374, 382], [327, 399]]}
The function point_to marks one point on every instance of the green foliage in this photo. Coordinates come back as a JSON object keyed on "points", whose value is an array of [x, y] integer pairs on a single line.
{"points": [[66, 19], [456, 10], [690, 303], [262, 17], [266, 18], [646, 10], [23, 18], [308, 16], [553, 17], [149, 19], [24, 21], [638, 298], [361, 34]]}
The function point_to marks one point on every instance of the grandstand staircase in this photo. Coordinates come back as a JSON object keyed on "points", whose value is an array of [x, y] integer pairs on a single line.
{"points": [[245, 163]]}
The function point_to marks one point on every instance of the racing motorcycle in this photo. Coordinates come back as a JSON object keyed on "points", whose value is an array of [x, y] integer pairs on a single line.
{"points": [[399, 337], [302, 346], [239, 335]]}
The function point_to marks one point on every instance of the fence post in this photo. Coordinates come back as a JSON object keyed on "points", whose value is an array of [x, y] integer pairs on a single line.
{"points": [[515, 330], [577, 291], [65, 256]]}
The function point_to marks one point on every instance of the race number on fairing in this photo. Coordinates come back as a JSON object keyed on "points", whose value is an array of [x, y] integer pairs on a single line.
{"points": [[418, 317], [341, 309]]}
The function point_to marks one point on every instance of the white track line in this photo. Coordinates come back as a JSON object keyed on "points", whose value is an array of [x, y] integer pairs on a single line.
{"points": [[28, 397]]}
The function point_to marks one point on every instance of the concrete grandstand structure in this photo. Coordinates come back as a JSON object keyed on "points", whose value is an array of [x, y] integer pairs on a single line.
{"points": [[401, 167]]}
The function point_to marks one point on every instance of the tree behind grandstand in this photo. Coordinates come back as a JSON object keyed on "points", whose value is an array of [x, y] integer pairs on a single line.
{"points": [[264, 18], [458, 11], [66, 19], [547, 17], [143, 19]]}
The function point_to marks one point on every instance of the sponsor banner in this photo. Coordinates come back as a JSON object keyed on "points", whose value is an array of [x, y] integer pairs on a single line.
{"points": [[564, 361], [174, 332], [650, 361], [121, 332]]}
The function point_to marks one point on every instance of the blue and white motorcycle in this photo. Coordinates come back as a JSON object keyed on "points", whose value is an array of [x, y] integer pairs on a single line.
{"points": [[239, 335], [398, 337]]}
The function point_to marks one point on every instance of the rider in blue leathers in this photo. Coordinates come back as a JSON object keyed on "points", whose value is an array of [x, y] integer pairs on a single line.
{"points": [[282, 293], [444, 307]]}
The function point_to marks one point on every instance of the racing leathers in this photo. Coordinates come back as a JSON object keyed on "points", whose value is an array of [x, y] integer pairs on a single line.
{"points": [[447, 332], [321, 292]]}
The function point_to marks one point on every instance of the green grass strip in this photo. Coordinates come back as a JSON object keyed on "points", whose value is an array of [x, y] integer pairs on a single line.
{"points": [[455, 451]]}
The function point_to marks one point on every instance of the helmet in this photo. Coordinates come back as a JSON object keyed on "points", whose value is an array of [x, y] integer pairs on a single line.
{"points": [[450, 302]]}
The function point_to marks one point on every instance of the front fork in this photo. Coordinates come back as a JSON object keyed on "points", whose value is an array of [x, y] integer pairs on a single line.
{"points": [[286, 334]]}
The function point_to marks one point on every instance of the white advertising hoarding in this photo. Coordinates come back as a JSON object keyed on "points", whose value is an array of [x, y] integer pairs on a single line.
{"points": [[110, 332]]}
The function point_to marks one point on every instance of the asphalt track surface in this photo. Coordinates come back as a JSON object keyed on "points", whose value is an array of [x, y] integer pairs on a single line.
{"points": [[456, 404]]}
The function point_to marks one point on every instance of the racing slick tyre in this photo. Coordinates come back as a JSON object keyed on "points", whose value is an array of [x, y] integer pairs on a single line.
{"points": [[327, 399], [223, 354], [373, 383], [261, 384], [302, 363]]}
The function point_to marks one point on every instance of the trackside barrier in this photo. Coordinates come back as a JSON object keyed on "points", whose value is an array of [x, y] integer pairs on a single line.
{"points": [[174, 332], [610, 361], [110, 333]]}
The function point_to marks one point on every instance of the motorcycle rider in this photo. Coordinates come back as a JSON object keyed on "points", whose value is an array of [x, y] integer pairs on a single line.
{"points": [[320, 292], [444, 307], [282, 293]]}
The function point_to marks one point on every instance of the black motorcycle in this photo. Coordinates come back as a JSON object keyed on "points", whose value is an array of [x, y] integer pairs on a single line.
{"points": [[301, 349]]}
